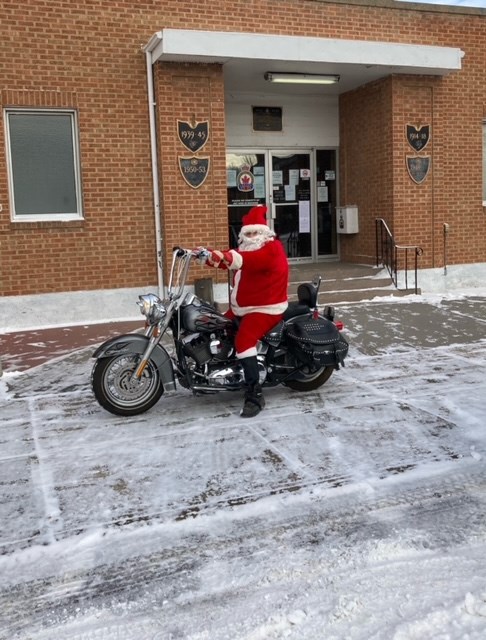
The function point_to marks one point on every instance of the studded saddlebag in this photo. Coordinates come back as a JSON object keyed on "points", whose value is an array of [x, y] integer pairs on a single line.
{"points": [[316, 341]]}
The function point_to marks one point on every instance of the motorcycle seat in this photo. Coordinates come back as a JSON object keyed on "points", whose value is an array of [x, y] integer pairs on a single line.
{"points": [[295, 309], [307, 294], [274, 336]]}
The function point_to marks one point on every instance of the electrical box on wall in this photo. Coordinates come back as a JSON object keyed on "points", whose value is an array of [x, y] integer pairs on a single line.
{"points": [[347, 219]]}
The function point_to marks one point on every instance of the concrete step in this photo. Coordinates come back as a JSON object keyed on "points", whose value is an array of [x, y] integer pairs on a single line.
{"points": [[344, 282], [348, 284], [332, 271]]}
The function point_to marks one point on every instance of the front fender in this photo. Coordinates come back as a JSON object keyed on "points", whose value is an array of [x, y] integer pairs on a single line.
{"points": [[135, 343]]}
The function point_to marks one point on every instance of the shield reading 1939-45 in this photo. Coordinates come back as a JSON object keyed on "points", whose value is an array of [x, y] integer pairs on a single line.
{"points": [[193, 137], [418, 137], [418, 167], [194, 170]]}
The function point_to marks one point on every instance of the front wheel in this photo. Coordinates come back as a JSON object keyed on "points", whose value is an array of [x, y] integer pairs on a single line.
{"points": [[311, 380], [117, 391]]}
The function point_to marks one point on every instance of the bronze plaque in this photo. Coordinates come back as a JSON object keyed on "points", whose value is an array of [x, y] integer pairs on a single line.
{"points": [[418, 138], [267, 118], [193, 137], [418, 167], [194, 170]]}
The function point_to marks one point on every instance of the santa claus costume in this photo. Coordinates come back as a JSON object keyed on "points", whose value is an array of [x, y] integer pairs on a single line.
{"points": [[259, 296]]}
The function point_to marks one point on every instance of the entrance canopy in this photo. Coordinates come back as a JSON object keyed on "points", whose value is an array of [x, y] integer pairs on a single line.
{"points": [[246, 57]]}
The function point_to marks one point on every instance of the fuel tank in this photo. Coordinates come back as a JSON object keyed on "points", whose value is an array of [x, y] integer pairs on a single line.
{"points": [[200, 316]]}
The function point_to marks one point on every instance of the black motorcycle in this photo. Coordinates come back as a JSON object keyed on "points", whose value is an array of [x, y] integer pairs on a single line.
{"points": [[188, 341]]}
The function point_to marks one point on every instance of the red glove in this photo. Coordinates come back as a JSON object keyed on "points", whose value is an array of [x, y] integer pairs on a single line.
{"points": [[228, 258], [218, 257], [215, 258]]}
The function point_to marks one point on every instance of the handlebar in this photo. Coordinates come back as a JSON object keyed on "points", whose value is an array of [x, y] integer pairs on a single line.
{"points": [[181, 260], [179, 251], [200, 253]]}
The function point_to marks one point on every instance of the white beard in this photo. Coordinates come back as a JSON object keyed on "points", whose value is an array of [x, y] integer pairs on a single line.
{"points": [[247, 243], [251, 244]]}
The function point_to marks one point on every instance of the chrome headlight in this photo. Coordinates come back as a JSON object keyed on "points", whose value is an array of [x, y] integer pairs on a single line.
{"points": [[152, 307]]}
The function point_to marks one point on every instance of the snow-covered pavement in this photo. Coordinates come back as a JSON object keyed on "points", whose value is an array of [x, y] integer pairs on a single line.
{"points": [[356, 512]]}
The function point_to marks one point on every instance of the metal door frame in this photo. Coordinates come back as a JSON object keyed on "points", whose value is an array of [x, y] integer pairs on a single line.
{"points": [[268, 153]]}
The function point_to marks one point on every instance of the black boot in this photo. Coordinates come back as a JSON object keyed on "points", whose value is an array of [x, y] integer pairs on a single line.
{"points": [[254, 400]]}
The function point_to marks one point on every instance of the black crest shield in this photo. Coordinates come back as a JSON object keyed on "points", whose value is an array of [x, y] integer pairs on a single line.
{"points": [[418, 167], [193, 137], [418, 138], [194, 170]]}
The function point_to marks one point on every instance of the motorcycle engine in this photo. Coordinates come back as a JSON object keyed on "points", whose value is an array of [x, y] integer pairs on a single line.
{"points": [[215, 360], [203, 347]]}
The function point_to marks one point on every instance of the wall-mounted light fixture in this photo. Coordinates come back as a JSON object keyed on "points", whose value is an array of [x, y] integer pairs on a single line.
{"points": [[301, 78]]}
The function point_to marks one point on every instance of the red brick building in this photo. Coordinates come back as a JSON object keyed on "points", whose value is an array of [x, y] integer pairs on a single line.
{"points": [[132, 126]]}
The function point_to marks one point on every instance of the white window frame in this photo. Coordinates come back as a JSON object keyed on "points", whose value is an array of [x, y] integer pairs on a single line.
{"points": [[45, 217]]}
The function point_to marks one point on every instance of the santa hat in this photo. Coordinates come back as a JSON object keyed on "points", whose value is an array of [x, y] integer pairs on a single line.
{"points": [[255, 220]]}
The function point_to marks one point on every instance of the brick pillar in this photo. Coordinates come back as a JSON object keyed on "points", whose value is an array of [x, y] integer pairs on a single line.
{"points": [[414, 206], [191, 217], [373, 163], [366, 168]]}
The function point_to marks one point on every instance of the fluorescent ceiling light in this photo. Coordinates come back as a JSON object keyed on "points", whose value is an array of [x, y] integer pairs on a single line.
{"points": [[301, 78]]}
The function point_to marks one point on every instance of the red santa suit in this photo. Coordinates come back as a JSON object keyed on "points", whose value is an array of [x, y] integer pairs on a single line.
{"points": [[260, 284]]}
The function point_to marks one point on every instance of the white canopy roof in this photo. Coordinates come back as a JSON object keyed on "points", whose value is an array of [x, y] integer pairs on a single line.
{"points": [[246, 56]]}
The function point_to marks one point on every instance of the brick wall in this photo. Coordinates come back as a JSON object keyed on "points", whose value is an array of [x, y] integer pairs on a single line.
{"points": [[85, 56], [366, 165], [374, 172], [88, 56]]}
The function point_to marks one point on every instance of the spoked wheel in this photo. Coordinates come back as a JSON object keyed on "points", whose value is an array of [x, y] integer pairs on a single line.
{"points": [[311, 380], [117, 391]]}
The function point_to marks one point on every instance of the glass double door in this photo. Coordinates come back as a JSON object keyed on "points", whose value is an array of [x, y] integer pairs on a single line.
{"points": [[299, 188]]}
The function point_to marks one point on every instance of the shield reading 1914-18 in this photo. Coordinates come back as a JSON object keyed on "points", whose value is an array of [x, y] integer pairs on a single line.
{"points": [[418, 137], [418, 167], [194, 170], [193, 137]]}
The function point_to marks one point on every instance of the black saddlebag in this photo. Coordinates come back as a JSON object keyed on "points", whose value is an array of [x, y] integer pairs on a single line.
{"points": [[316, 341]]}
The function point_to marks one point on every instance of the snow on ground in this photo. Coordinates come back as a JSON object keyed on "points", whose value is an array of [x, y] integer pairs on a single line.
{"points": [[355, 512]]}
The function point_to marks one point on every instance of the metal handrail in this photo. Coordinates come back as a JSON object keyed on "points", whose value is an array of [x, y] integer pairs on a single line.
{"points": [[387, 254]]}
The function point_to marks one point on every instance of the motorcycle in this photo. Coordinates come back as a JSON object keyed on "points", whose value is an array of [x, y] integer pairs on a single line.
{"points": [[188, 341]]}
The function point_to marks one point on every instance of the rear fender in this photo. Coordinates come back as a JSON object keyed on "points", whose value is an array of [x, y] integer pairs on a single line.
{"points": [[134, 343]]}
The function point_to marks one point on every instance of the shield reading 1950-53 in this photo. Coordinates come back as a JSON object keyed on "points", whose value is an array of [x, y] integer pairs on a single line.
{"points": [[418, 137], [193, 137], [194, 170], [418, 167]]}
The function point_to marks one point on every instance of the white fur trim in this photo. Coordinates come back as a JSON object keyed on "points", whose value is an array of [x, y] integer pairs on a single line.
{"points": [[270, 309], [237, 260], [263, 228], [252, 351]]}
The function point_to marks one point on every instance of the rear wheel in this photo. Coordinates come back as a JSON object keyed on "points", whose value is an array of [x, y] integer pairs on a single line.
{"points": [[311, 380], [117, 391]]}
